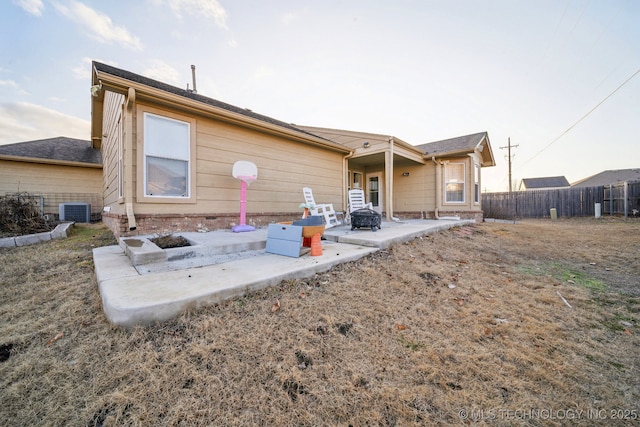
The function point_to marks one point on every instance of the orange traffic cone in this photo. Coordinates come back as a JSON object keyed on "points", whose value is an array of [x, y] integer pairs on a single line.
{"points": [[316, 245]]}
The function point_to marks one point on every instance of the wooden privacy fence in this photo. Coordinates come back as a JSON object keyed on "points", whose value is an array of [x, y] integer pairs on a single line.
{"points": [[622, 198]]}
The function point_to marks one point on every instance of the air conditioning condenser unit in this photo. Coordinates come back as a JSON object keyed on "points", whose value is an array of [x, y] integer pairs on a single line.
{"points": [[78, 212]]}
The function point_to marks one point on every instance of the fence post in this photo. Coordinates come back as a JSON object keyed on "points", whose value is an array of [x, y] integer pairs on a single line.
{"points": [[626, 199]]}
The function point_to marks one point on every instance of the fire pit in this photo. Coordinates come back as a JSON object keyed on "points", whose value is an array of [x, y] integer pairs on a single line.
{"points": [[365, 218]]}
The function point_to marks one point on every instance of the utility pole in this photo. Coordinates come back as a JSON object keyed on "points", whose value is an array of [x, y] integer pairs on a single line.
{"points": [[509, 157]]}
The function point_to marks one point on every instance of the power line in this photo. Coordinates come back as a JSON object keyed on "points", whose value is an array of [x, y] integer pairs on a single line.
{"points": [[583, 117]]}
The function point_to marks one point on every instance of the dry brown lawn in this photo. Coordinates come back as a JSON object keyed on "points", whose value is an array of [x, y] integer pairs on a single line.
{"points": [[466, 326]]}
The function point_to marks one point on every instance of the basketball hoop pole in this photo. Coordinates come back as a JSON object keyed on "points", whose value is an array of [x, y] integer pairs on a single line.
{"points": [[243, 206]]}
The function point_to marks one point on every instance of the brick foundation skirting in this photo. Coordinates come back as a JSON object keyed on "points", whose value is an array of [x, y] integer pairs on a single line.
{"points": [[170, 223], [476, 215]]}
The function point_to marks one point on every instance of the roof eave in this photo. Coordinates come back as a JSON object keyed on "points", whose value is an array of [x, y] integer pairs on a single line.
{"points": [[50, 161], [158, 96]]}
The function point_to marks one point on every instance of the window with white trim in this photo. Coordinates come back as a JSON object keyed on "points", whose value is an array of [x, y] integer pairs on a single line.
{"points": [[166, 156], [454, 183]]}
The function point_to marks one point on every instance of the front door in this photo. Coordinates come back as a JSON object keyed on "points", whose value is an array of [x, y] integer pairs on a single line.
{"points": [[374, 190]]}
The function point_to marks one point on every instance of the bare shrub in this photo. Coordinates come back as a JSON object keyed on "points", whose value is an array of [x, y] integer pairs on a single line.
{"points": [[19, 214]]}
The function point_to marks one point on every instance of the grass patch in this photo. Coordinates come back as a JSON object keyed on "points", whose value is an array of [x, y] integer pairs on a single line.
{"points": [[381, 341], [410, 344], [562, 273], [582, 279]]}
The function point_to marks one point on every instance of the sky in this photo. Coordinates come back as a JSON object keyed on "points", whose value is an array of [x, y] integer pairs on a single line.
{"points": [[559, 78]]}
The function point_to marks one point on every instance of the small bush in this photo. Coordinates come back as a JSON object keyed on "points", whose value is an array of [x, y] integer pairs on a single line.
{"points": [[19, 214]]}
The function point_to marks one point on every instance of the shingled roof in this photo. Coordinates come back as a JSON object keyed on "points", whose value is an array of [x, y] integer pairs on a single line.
{"points": [[59, 149], [460, 143], [609, 177], [117, 72], [544, 182]]}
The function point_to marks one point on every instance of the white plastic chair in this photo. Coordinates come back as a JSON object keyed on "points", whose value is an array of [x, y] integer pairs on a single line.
{"points": [[325, 209], [357, 201]]}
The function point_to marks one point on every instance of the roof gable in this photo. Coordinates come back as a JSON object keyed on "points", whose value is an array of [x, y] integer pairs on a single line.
{"points": [[460, 145], [59, 149], [545, 182]]}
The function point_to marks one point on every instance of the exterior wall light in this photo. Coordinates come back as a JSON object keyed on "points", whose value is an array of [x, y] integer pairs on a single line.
{"points": [[405, 173]]}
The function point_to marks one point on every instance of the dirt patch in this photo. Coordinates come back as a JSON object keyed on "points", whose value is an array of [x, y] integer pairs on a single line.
{"points": [[462, 327], [170, 241]]}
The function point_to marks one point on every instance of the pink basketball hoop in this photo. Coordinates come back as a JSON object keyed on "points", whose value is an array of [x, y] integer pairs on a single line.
{"points": [[246, 172]]}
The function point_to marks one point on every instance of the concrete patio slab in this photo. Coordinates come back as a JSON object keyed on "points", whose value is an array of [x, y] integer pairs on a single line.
{"points": [[225, 265], [131, 299]]}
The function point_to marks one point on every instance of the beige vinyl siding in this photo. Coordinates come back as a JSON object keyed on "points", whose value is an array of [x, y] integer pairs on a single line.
{"points": [[56, 183], [414, 193], [112, 112], [40, 178], [284, 168]]}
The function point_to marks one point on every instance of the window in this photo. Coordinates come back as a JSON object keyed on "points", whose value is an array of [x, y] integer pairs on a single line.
{"points": [[357, 180], [166, 156], [454, 182], [476, 181]]}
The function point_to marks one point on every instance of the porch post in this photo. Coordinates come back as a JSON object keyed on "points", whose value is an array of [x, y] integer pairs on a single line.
{"points": [[388, 180], [438, 200]]}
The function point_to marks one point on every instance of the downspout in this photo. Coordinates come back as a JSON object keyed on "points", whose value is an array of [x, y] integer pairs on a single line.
{"points": [[128, 146], [438, 189], [345, 184]]}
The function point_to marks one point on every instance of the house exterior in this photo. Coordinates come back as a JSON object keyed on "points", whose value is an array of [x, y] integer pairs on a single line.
{"points": [[169, 153], [168, 157], [55, 170], [609, 177], [441, 178], [544, 183]]}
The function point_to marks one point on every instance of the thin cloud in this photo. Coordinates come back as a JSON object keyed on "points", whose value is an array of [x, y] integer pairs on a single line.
{"points": [[12, 85], [23, 121], [82, 71], [33, 7], [288, 18], [9, 83], [160, 70], [211, 9], [99, 25]]}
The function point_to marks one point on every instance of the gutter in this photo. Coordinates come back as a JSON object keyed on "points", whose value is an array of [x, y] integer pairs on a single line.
{"points": [[50, 161], [345, 184], [129, 126]]}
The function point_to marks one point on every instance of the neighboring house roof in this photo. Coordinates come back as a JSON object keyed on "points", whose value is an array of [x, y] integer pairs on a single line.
{"points": [[59, 150], [609, 177], [136, 78], [544, 182], [461, 144]]}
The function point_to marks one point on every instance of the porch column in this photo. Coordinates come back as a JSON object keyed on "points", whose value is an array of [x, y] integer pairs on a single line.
{"points": [[388, 180], [438, 200]]}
